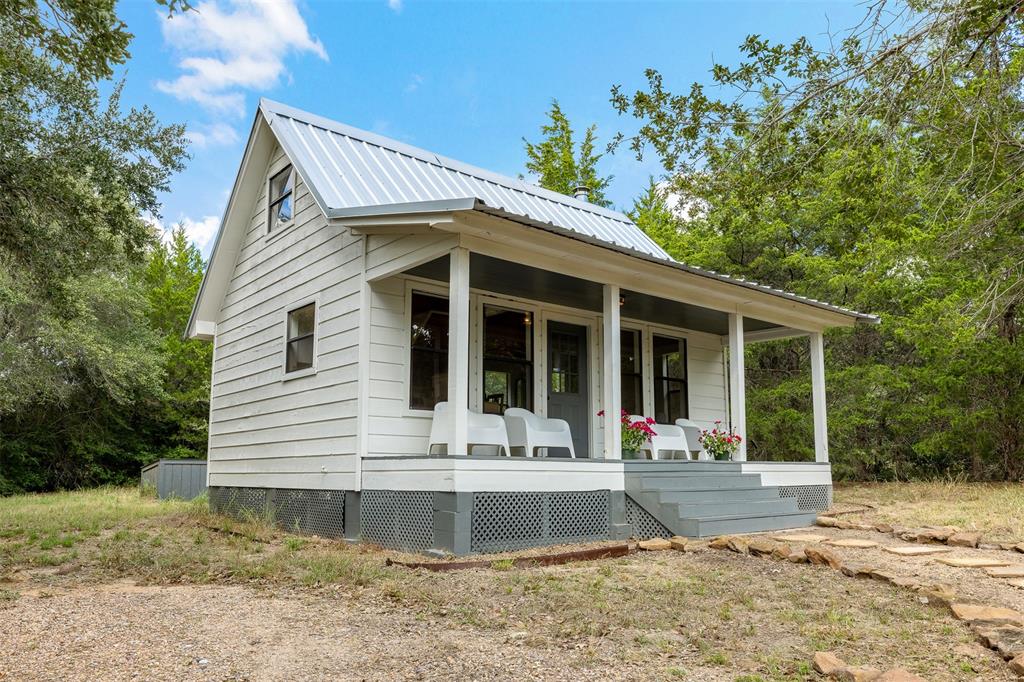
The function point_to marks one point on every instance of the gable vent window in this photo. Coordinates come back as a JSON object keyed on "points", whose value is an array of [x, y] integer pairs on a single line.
{"points": [[301, 336], [280, 194]]}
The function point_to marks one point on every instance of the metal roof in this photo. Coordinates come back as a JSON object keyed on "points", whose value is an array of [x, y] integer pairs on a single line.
{"points": [[354, 172], [350, 169]]}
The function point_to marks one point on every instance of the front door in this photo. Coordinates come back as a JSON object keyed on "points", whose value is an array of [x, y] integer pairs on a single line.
{"points": [[568, 394]]}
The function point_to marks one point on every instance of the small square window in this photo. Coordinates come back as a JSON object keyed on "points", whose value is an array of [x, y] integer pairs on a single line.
{"points": [[280, 196], [301, 333]]}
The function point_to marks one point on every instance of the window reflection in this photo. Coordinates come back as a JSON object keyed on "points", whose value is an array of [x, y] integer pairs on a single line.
{"points": [[507, 359]]}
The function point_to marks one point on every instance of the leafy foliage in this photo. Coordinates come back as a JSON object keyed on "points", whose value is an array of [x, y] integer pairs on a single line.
{"points": [[558, 165], [78, 357], [885, 176]]}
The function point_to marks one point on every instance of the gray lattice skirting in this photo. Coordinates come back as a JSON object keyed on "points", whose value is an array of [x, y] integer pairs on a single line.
{"points": [[809, 497], [316, 512], [643, 523], [457, 523]]}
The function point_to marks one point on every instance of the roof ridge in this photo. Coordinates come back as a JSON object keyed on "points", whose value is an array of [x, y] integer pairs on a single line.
{"points": [[427, 156]]}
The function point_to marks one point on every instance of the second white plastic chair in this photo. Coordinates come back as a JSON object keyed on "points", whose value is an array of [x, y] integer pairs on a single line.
{"points": [[527, 430], [692, 432], [668, 438]]}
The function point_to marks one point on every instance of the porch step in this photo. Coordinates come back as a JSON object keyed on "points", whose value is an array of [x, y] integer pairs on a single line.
{"points": [[745, 508], [719, 494], [745, 523], [699, 482], [712, 498]]}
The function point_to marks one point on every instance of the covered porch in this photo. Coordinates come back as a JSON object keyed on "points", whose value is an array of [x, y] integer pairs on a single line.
{"points": [[486, 333]]}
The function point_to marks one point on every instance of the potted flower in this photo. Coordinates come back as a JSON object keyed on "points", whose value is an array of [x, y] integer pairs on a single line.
{"points": [[720, 444], [634, 434]]}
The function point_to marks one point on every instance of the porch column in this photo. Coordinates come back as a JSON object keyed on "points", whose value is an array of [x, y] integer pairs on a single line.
{"points": [[818, 395], [611, 376], [458, 349], [737, 384]]}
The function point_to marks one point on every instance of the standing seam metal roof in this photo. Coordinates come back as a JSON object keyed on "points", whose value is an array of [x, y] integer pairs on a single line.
{"points": [[348, 168]]}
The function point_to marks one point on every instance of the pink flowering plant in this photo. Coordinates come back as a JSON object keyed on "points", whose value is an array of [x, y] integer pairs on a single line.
{"points": [[719, 443], [634, 433]]}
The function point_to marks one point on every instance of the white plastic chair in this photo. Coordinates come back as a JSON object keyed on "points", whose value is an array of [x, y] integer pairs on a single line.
{"points": [[527, 430], [481, 429], [668, 438], [692, 432]]}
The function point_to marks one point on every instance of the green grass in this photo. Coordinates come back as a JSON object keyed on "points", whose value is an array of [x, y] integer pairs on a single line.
{"points": [[996, 509]]}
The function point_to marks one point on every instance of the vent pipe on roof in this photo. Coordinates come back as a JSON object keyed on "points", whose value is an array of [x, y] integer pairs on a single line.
{"points": [[582, 192]]}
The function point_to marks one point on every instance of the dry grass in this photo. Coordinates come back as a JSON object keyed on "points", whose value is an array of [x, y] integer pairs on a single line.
{"points": [[995, 509], [707, 615]]}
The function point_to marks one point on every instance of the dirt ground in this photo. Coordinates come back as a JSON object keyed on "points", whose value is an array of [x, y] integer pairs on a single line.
{"points": [[104, 586]]}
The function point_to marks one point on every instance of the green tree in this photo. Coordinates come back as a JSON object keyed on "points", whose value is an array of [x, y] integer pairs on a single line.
{"points": [[557, 163], [651, 214], [178, 422], [76, 174], [885, 176]]}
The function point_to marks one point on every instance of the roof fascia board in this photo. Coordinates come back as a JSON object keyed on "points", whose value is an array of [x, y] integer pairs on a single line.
{"points": [[217, 253], [408, 208]]}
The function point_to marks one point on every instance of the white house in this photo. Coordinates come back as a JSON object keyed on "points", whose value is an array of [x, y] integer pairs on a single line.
{"points": [[356, 282]]}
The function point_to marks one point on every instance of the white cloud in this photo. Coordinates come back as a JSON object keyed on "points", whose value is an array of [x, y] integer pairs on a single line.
{"points": [[199, 232], [212, 135], [395, 5], [227, 49]]}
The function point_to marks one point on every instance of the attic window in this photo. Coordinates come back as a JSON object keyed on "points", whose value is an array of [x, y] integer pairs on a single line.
{"points": [[280, 197]]}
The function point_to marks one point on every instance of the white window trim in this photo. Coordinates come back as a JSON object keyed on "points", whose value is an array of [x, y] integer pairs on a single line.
{"points": [[295, 305], [270, 232]]}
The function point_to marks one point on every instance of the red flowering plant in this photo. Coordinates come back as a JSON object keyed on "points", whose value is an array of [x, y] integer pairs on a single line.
{"points": [[634, 432], [719, 443]]}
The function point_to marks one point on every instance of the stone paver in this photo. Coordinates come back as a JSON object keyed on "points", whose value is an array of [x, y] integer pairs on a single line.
{"points": [[1018, 582], [855, 543], [977, 613], [1007, 570], [801, 537], [971, 562], [916, 550]]}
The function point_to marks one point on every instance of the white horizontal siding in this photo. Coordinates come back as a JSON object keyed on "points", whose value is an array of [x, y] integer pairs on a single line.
{"points": [[268, 430]]}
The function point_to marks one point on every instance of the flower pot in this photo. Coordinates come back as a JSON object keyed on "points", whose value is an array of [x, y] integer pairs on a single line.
{"points": [[723, 457], [630, 454]]}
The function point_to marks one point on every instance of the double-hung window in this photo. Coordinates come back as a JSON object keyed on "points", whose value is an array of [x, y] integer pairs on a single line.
{"points": [[428, 343], [280, 206], [507, 359], [631, 365], [670, 392], [301, 341]]}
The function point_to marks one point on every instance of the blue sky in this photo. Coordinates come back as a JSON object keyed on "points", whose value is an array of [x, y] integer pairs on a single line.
{"points": [[466, 80]]}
